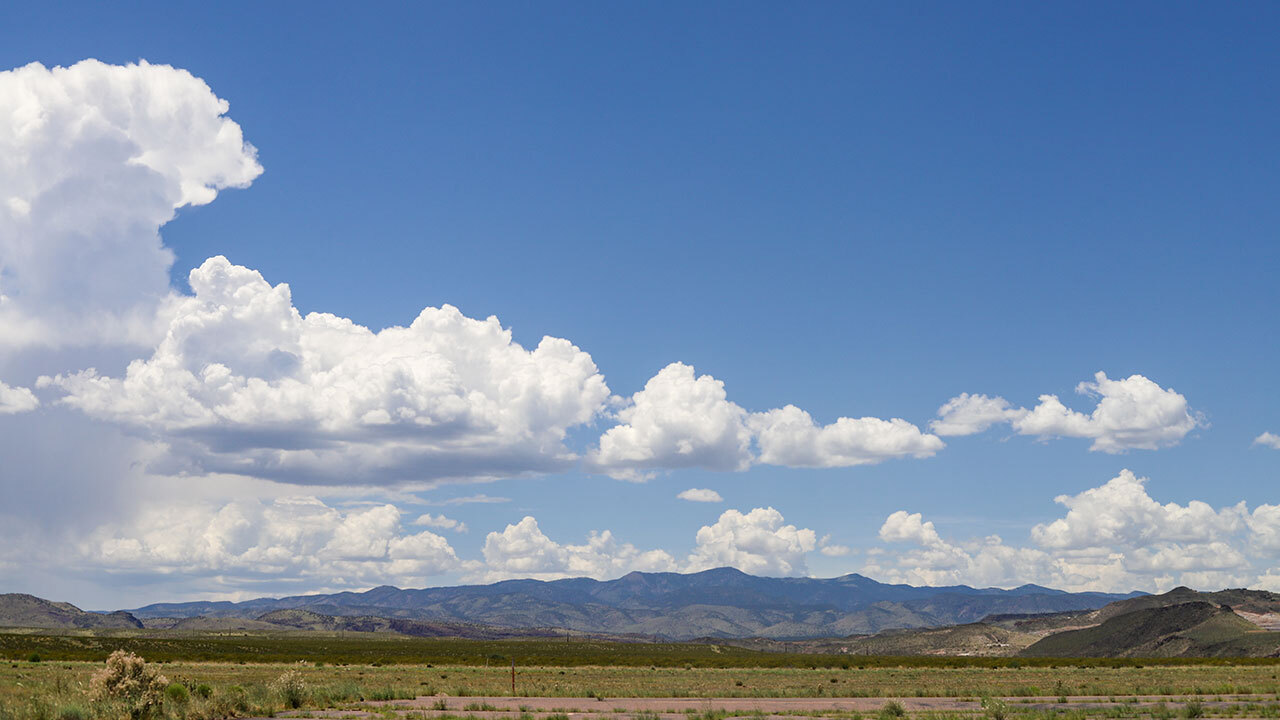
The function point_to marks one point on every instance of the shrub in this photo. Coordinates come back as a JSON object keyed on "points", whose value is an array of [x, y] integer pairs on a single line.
{"points": [[995, 708], [126, 678], [33, 657], [1193, 709], [891, 710], [73, 712], [177, 693], [204, 690], [290, 687]]}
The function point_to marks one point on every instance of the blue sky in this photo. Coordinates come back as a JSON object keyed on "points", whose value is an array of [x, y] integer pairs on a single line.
{"points": [[860, 210]]}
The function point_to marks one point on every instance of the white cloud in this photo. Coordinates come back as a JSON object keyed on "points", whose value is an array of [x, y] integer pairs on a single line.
{"points": [[441, 521], [14, 400], [1113, 538], [700, 495], [968, 414], [1132, 414], [1268, 439], [523, 551], [244, 543], [243, 383], [902, 526], [830, 549], [756, 542], [788, 436], [1122, 514], [678, 420], [684, 420], [94, 158]]}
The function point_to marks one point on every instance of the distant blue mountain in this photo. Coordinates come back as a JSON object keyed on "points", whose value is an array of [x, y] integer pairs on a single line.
{"points": [[721, 603]]}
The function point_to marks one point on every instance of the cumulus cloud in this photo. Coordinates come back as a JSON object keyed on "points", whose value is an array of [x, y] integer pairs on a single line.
{"points": [[441, 521], [290, 539], [700, 495], [243, 383], [788, 436], [94, 158], [522, 550], [756, 542], [14, 400], [678, 420], [1113, 538], [1121, 513], [1132, 414], [1268, 439], [681, 419], [968, 414]]}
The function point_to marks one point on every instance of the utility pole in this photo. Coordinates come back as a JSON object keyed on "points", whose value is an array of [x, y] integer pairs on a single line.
{"points": [[513, 677]]}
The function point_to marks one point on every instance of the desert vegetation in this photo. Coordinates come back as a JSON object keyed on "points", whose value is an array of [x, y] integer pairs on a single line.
{"points": [[124, 686]]}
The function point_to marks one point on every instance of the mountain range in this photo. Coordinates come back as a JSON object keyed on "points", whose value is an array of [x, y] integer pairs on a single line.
{"points": [[720, 603]]}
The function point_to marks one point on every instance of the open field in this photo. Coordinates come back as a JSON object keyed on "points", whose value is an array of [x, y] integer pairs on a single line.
{"points": [[56, 690], [398, 678]]}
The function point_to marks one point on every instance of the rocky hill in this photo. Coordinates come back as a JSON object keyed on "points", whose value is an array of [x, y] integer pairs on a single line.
{"points": [[29, 611]]}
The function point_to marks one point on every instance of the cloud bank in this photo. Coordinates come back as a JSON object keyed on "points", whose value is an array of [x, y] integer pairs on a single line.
{"points": [[1114, 537]]}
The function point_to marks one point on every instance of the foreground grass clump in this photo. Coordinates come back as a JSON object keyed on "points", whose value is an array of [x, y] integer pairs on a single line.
{"points": [[126, 681]]}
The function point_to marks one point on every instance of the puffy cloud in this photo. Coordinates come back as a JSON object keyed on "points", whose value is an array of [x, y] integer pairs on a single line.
{"points": [[522, 550], [682, 420], [244, 543], [1132, 414], [1113, 538], [700, 495], [968, 414], [1122, 514], [441, 521], [1268, 439], [243, 383], [14, 400], [902, 526], [788, 436], [94, 158], [678, 420], [756, 542]]}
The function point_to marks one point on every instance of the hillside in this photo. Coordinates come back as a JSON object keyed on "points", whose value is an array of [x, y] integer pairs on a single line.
{"points": [[1196, 628], [721, 603], [29, 611]]}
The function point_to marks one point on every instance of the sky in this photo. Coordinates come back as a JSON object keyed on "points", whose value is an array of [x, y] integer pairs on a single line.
{"points": [[307, 298]]}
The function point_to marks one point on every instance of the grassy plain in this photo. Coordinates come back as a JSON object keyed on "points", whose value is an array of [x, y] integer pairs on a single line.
{"points": [[397, 668]]}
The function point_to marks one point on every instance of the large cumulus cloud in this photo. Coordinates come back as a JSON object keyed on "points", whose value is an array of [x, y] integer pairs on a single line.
{"points": [[244, 383], [94, 158]]}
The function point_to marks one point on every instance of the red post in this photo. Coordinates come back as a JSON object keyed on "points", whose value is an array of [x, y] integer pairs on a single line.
{"points": [[513, 677]]}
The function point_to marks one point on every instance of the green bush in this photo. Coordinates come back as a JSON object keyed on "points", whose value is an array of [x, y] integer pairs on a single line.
{"points": [[204, 690], [177, 692]]}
